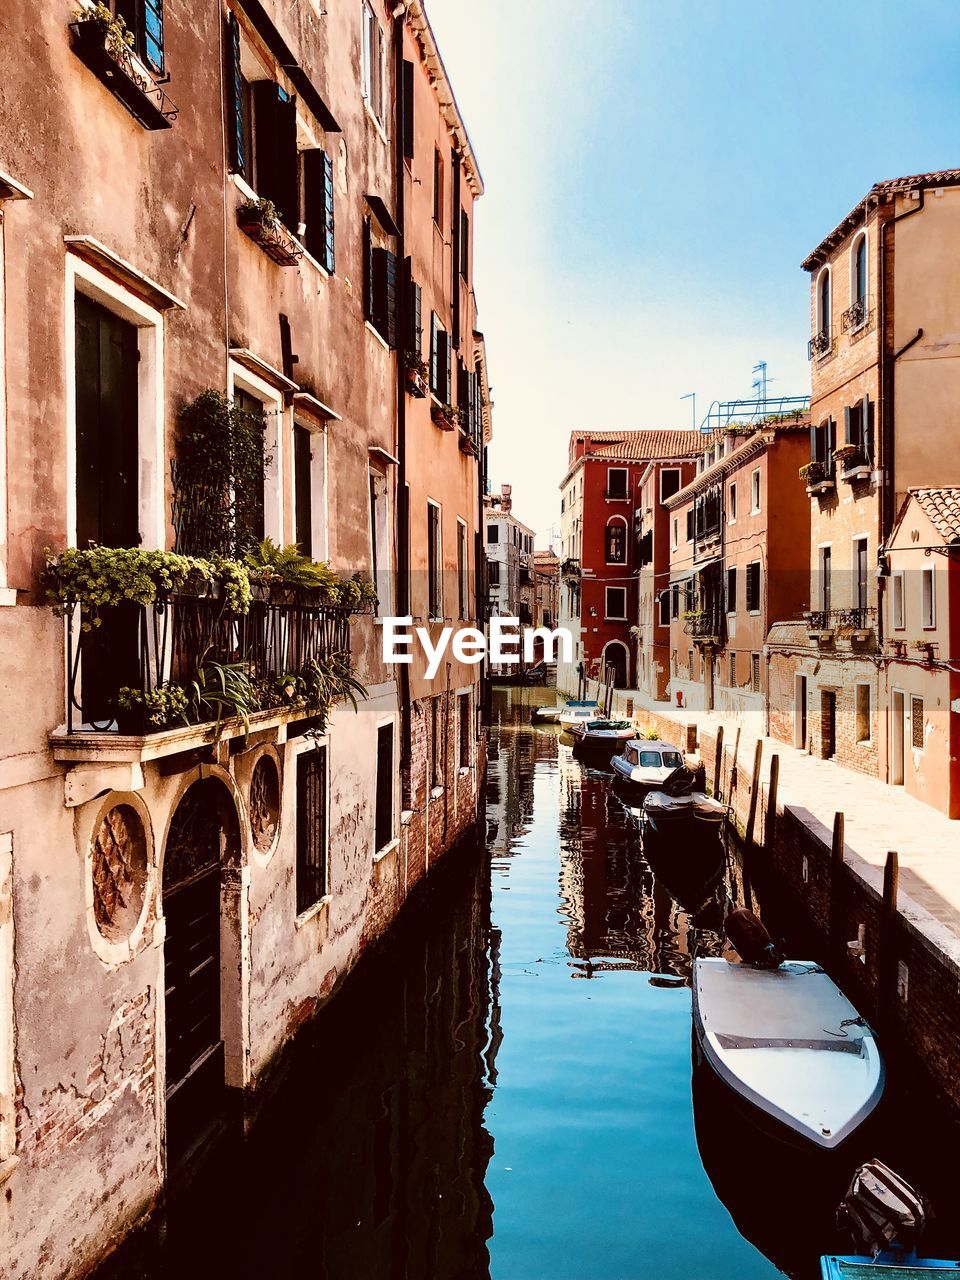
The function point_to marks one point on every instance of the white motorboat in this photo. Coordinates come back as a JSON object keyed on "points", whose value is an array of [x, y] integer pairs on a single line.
{"points": [[645, 764], [546, 715], [579, 713], [789, 1042], [661, 810], [601, 735]]}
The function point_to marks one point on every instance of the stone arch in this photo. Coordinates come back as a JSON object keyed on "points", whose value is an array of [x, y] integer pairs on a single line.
{"points": [[615, 654]]}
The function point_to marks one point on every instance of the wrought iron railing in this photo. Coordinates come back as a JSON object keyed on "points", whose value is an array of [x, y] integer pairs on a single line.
{"points": [[570, 567], [168, 643], [855, 316], [819, 344], [704, 624], [853, 458], [861, 618], [122, 72]]}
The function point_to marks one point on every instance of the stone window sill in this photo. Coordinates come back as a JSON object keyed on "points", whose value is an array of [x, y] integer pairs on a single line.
{"points": [[311, 913], [436, 793], [386, 851]]}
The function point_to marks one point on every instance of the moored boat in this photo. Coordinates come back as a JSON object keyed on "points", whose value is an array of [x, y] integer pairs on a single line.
{"points": [[601, 736], [854, 1267], [546, 715], [645, 764], [787, 1041], [579, 713], [663, 811]]}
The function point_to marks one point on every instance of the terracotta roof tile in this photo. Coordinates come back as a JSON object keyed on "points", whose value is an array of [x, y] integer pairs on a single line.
{"points": [[644, 446], [942, 506], [889, 186]]}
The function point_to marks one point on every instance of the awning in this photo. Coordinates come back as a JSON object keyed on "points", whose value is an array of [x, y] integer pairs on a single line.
{"points": [[382, 214], [682, 575], [706, 564]]}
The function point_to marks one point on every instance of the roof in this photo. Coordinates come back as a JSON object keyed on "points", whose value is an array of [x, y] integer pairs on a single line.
{"points": [[942, 506], [429, 52], [878, 192], [635, 445], [753, 441]]}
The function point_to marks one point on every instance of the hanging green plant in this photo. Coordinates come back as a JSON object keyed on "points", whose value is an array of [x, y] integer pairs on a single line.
{"points": [[98, 578], [288, 567], [161, 707]]}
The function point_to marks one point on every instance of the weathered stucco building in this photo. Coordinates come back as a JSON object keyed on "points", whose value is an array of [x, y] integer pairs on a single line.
{"points": [[209, 240]]}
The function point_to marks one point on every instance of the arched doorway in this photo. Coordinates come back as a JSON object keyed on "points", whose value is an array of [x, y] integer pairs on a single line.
{"points": [[614, 664], [203, 838]]}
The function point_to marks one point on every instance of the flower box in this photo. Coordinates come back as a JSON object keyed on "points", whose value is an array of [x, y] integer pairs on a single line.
{"points": [[260, 222], [444, 416], [101, 47]]}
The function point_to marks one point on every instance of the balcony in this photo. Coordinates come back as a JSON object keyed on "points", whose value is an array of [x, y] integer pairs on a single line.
{"points": [[855, 463], [210, 656], [704, 626], [105, 47], [819, 345], [819, 477], [616, 495], [855, 317], [858, 623], [570, 569], [260, 220]]}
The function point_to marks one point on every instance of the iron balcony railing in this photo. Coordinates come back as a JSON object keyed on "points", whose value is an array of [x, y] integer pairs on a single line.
{"points": [[860, 618], [169, 643], [704, 624], [855, 316], [853, 458], [819, 344], [570, 567]]}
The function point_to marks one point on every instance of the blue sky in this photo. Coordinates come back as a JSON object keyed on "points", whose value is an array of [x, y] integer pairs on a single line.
{"points": [[655, 174]]}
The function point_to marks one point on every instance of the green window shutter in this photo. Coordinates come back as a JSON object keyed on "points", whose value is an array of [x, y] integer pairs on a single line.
{"points": [[151, 34], [434, 353], [318, 207], [367, 270], [385, 295], [238, 156], [329, 218]]}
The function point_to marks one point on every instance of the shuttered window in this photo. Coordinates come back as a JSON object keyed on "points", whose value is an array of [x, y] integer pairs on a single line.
{"points": [[434, 561], [311, 870], [731, 590], [303, 489], [237, 113], [464, 245], [144, 19], [413, 323], [367, 270], [440, 356], [465, 733], [373, 62], [753, 586], [385, 282], [407, 109], [318, 210], [383, 823], [275, 126]]}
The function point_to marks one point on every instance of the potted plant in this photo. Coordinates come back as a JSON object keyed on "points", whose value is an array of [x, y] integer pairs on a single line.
{"points": [[416, 373], [814, 473], [261, 221], [444, 416], [97, 22], [139, 712]]}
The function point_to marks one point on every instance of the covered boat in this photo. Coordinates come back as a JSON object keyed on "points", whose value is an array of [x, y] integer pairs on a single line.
{"points": [[546, 715], [601, 735], [579, 713], [663, 811], [842, 1267], [788, 1042], [644, 764]]}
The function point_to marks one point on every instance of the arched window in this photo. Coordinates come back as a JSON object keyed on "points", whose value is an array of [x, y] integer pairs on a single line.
{"points": [[616, 542], [859, 281], [823, 304]]}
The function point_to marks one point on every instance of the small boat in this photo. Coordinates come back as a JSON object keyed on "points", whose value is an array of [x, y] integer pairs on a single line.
{"points": [[854, 1267], [579, 713], [601, 735], [662, 811], [787, 1041], [545, 715], [645, 764]]}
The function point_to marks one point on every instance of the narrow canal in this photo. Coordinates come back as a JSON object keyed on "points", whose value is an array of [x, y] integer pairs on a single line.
{"points": [[504, 1088]]}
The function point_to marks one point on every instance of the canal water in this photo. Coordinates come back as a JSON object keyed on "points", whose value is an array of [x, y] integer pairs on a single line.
{"points": [[504, 1088]]}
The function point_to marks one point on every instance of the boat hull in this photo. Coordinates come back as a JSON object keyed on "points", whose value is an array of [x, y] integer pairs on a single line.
{"points": [[797, 1054], [851, 1267]]}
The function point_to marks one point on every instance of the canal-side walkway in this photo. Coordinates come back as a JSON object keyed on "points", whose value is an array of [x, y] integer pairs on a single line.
{"points": [[877, 817]]}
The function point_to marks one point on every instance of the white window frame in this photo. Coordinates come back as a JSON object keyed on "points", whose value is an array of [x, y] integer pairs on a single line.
{"points": [[438, 617], [732, 503], [669, 471], [368, 22], [928, 615], [614, 617], [867, 741], [675, 540], [83, 278], [394, 841], [274, 435], [825, 322], [755, 491], [821, 547], [318, 486], [626, 529], [861, 235], [381, 539], [298, 748], [626, 487], [463, 583], [898, 601]]}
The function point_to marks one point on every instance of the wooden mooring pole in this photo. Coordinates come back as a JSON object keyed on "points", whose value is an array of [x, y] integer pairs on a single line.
{"points": [[838, 942], [771, 821], [718, 762], [733, 767], [754, 794], [887, 969]]}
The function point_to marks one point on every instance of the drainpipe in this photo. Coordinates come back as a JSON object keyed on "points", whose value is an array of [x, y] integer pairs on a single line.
{"points": [[403, 506], [885, 403]]}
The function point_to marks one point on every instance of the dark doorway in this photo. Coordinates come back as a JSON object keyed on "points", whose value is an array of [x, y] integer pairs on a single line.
{"points": [[195, 1089], [615, 666], [107, 359], [828, 724]]}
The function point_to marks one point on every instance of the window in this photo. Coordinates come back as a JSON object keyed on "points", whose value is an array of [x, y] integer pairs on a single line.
{"points": [[616, 542], [464, 245], [436, 744], [144, 20], [493, 533], [898, 611], [733, 670], [439, 360], [407, 116], [669, 482], [731, 590], [863, 713], [858, 282], [676, 532], [493, 573], [617, 482], [823, 307], [312, 860], [316, 178], [916, 723], [380, 541], [732, 504], [264, 142], [753, 586], [383, 820], [463, 598], [663, 601], [250, 506], [303, 488], [616, 603], [675, 600], [755, 491], [381, 287], [825, 582], [434, 562], [690, 665], [861, 574], [465, 734], [823, 441], [372, 62], [438, 188], [928, 604], [755, 672], [691, 523]]}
